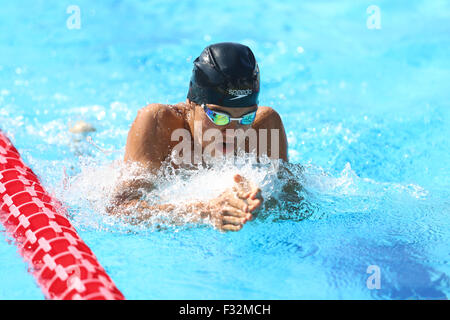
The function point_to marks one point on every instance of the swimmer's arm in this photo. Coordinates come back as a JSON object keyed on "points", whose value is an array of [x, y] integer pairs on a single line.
{"points": [[149, 139], [195, 212], [127, 197], [146, 211], [267, 118], [228, 212]]}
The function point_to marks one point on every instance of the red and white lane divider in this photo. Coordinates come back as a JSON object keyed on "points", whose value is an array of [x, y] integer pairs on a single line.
{"points": [[63, 265]]}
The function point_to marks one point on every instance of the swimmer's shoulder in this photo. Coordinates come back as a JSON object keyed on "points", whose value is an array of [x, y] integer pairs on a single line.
{"points": [[266, 114], [163, 114]]}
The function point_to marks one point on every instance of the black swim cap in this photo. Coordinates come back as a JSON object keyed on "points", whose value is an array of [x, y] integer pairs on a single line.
{"points": [[225, 74]]}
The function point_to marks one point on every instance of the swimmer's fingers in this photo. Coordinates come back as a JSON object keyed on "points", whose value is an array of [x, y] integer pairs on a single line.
{"points": [[230, 227], [243, 185], [238, 178], [255, 194], [241, 194], [233, 220], [240, 191], [255, 191], [248, 202], [255, 198], [231, 211], [237, 203], [245, 188], [254, 204]]}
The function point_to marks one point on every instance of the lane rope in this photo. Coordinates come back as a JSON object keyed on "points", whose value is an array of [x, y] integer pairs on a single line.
{"points": [[62, 264]]}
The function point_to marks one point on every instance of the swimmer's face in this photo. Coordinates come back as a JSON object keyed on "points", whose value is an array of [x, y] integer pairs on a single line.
{"points": [[202, 118]]}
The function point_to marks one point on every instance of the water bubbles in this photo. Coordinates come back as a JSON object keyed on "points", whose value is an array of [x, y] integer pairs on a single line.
{"points": [[101, 115], [90, 191]]}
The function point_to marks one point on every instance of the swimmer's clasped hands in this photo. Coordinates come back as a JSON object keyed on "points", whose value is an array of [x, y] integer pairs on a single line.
{"points": [[235, 206]]}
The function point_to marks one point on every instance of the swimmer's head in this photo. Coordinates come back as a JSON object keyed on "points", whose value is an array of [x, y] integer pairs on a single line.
{"points": [[225, 74]]}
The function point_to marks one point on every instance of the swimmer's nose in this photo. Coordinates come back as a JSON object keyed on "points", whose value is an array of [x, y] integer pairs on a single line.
{"points": [[234, 124]]}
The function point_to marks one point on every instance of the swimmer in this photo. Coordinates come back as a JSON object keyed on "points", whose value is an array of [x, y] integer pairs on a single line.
{"points": [[223, 94]]}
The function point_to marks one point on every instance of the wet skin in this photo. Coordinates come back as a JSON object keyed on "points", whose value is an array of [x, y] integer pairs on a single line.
{"points": [[149, 143]]}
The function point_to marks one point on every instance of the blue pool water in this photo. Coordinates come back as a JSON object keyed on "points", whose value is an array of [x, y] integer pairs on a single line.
{"points": [[367, 113]]}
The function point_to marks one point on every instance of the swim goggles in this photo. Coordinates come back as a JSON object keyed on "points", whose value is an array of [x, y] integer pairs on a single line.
{"points": [[222, 119]]}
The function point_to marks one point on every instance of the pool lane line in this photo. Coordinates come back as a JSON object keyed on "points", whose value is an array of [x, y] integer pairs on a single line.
{"points": [[63, 265]]}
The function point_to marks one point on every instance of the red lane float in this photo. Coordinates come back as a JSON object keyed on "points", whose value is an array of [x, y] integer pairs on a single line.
{"points": [[63, 265]]}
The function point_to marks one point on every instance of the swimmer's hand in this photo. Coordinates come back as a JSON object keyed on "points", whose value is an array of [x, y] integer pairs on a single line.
{"points": [[234, 207], [228, 212], [248, 191]]}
